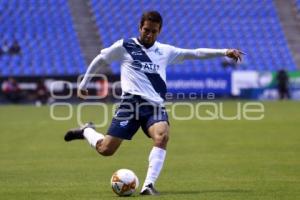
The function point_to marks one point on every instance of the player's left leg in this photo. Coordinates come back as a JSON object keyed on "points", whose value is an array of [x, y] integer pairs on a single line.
{"points": [[159, 132]]}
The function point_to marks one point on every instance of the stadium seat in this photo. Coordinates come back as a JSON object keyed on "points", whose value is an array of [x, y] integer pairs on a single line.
{"points": [[297, 3], [252, 26], [49, 45], [45, 32]]}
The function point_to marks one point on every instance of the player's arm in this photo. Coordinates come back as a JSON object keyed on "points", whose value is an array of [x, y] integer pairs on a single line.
{"points": [[235, 54], [82, 91], [106, 56], [178, 54]]}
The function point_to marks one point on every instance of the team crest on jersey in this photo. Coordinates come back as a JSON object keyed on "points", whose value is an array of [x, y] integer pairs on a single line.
{"points": [[157, 51]]}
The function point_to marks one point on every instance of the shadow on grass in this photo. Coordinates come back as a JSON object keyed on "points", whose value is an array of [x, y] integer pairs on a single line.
{"points": [[205, 191]]}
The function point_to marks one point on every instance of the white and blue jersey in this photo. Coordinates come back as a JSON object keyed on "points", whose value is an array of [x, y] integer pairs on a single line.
{"points": [[143, 71], [143, 80]]}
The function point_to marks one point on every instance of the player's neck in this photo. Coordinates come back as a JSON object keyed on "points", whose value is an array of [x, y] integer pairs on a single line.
{"points": [[147, 46]]}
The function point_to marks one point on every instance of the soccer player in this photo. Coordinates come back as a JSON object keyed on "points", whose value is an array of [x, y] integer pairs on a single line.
{"points": [[143, 81]]}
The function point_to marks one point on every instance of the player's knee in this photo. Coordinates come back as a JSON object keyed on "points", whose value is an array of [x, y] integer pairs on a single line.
{"points": [[106, 151], [161, 139]]}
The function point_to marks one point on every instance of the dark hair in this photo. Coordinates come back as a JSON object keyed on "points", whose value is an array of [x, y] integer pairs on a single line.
{"points": [[152, 16]]}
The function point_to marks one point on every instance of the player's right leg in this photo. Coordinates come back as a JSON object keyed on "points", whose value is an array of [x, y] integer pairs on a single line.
{"points": [[105, 145], [109, 145], [123, 126]]}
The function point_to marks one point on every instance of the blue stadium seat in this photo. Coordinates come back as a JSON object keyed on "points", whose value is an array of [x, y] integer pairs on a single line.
{"points": [[45, 32], [297, 2], [252, 26], [49, 45]]}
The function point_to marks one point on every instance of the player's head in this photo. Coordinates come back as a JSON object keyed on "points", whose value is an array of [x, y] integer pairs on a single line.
{"points": [[150, 26]]}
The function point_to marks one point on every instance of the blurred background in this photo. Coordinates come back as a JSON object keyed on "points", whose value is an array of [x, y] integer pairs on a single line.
{"points": [[45, 41]]}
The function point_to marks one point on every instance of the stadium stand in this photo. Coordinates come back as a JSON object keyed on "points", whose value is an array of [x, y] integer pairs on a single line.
{"points": [[50, 47], [252, 26], [297, 2], [44, 30]]}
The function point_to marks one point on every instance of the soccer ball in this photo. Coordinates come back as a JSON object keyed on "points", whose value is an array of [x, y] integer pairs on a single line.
{"points": [[124, 182]]}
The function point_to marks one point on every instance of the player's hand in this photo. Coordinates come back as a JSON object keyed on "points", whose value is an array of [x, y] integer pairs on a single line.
{"points": [[235, 54], [82, 93]]}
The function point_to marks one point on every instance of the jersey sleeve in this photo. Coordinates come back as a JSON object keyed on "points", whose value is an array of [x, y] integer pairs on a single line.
{"points": [[106, 56], [112, 53], [177, 55]]}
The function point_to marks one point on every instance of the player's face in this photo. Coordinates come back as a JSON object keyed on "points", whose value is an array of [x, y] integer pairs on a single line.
{"points": [[149, 32]]}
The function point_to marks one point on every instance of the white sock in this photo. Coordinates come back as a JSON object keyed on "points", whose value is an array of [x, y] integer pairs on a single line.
{"points": [[92, 136], [156, 161]]}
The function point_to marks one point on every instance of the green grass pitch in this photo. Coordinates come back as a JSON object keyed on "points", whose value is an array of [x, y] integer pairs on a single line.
{"points": [[215, 160]]}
